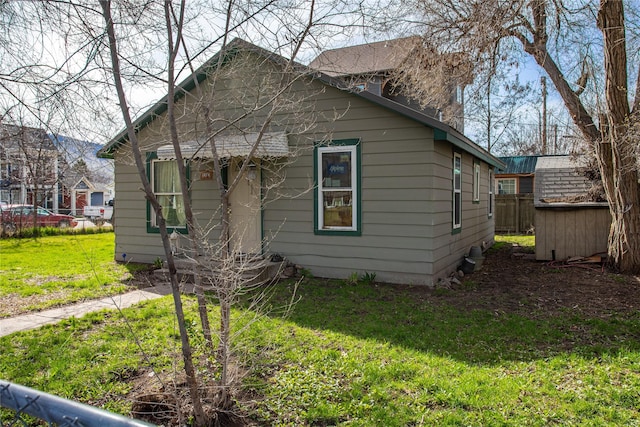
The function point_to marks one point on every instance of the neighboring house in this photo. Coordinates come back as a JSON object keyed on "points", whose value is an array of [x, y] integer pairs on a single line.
{"points": [[514, 186], [85, 178], [568, 224], [79, 191], [369, 185], [29, 167], [370, 67], [35, 164], [518, 177]]}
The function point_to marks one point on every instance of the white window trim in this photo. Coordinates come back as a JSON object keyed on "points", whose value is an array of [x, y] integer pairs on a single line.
{"points": [[476, 182], [458, 190], [491, 201], [515, 185], [354, 187]]}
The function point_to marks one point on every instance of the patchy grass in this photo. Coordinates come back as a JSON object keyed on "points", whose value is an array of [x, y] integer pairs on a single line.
{"points": [[373, 355], [365, 355], [91, 358], [55, 270], [528, 242]]}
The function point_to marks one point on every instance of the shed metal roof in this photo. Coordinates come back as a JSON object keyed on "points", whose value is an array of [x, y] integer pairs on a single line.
{"points": [[518, 165]]}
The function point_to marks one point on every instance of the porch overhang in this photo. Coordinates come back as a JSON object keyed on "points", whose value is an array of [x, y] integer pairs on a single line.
{"points": [[273, 144]]}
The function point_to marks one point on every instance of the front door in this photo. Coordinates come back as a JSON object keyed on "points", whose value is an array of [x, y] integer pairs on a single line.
{"points": [[245, 207]]}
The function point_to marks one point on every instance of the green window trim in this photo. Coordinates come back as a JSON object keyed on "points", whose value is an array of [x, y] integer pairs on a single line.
{"points": [[151, 228], [354, 146]]}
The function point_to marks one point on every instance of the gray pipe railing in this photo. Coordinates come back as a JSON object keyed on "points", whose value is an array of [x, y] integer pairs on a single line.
{"points": [[56, 410]]}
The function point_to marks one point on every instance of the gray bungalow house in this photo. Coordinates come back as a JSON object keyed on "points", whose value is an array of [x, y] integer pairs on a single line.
{"points": [[364, 184]]}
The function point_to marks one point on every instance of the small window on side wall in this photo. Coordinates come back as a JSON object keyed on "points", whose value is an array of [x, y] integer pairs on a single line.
{"points": [[476, 182], [457, 191], [337, 195], [490, 174]]}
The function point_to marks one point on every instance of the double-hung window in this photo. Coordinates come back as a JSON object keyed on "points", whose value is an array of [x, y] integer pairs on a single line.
{"points": [[457, 191], [337, 197], [165, 182], [476, 182], [490, 174]]}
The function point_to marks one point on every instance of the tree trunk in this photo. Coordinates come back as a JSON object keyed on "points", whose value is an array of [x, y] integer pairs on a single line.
{"points": [[613, 145], [200, 418], [192, 236], [615, 154]]}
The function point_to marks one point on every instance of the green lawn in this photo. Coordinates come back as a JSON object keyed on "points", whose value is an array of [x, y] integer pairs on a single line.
{"points": [[362, 355], [57, 270]]}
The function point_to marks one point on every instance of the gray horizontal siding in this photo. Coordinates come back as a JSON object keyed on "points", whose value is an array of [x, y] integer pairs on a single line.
{"points": [[449, 248], [395, 193]]}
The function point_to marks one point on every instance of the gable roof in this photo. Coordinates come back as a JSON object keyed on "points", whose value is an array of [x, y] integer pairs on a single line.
{"points": [[364, 58], [442, 131], [15, 137], [518, 165], [559, 182]]}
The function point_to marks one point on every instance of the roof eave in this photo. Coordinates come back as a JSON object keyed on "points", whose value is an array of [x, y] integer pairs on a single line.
{"points": [[182, 89], [441, 131]]}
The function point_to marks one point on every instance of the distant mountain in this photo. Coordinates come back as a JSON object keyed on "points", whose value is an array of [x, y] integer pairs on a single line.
{"points": [[74, 150]]}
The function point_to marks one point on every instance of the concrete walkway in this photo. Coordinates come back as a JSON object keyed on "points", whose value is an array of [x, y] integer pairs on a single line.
{"points": [[25, 322]]}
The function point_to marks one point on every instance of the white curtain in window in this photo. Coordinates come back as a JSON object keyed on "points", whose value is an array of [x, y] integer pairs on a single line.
{"points": [[167, 188]]}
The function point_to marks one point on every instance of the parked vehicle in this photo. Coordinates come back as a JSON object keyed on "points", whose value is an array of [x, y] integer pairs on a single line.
{"points": [[14, 217], [98, 212]]}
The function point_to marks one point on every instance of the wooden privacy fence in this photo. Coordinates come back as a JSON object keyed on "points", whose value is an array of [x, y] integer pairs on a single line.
{"points": [[514, 213]]}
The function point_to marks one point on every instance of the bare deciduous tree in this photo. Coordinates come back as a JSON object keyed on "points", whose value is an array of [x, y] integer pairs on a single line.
{"points": [[101, 49], [571, 41], [225, 104], [29, 162]]}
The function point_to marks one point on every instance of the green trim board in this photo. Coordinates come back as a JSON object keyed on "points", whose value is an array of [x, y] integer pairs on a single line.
{"points": [[473, 149], [356, 143]]}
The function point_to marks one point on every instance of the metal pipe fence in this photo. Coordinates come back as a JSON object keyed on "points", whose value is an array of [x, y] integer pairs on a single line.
{"points": [[55, 411]]}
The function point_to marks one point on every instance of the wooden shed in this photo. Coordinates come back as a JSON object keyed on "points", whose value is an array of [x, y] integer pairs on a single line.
{"points": [[567, 224]]}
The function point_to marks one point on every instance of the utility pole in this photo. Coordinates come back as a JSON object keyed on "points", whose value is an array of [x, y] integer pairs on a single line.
{"points": [[543, 83]]}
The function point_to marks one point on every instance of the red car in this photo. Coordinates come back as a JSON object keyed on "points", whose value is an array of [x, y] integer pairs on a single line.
{"points": [[20, 216]]}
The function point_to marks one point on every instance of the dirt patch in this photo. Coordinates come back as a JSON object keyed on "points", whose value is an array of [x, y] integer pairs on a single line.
{"points": [[163, 399], [511, 280], [15, 304]]}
